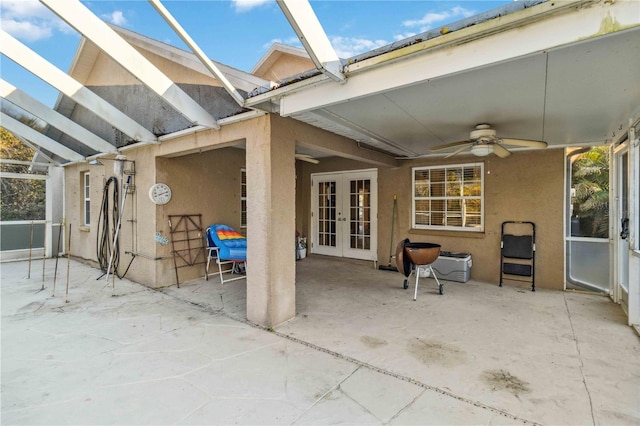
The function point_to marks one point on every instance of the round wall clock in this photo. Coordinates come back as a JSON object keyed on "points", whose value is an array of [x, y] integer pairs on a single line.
{"points": [[160, 193]]}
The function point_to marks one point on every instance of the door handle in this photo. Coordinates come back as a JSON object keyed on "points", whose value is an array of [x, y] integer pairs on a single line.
{"points": [[624, 225]]}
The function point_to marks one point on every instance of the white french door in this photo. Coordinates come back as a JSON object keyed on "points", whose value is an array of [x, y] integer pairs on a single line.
{"points": [[344, 209]]}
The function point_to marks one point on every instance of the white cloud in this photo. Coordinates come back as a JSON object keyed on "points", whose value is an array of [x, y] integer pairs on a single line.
{"points": [[246, 5], [347, 47], [26, 31], [24, 9], [29, 20], [446, 16], [291, 41], [116, 17], [402, 36]]}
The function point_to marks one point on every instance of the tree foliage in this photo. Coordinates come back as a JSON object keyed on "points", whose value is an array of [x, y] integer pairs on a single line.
{"points": [[20, 199], [590, 180]]}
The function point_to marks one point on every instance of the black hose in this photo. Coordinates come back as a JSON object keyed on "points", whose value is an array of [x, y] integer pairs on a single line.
{"points": [[106, 223]]}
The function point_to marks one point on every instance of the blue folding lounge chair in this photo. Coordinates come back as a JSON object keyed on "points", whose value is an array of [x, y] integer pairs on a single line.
{"points": [[227, 247]]}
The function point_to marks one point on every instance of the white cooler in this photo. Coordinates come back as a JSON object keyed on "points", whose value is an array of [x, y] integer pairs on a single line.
{"points": [[453, 266]]}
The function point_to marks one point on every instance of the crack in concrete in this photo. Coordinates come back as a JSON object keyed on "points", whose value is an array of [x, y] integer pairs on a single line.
{"points": [[584, 379], [359, 363], [324, 395], [182, 376], [406, 407]]}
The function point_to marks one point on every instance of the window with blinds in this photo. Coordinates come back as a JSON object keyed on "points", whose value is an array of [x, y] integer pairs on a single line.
{"points": [[449, 197]]}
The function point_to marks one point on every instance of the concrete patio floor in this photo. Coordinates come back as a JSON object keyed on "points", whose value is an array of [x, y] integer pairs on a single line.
{"points": [[360, 351]]}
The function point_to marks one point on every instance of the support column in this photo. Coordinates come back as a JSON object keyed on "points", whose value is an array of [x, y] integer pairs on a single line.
{"points": [[270, 163]]}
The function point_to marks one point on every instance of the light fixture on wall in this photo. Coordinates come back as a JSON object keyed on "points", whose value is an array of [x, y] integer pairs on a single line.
{"points": [[118, 165], [482, 150]]}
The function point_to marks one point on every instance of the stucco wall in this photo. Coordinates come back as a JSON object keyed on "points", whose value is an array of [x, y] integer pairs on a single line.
{"points": [[206, 183], [137, 223], [523, 187], [106, 72], [283, 66]]}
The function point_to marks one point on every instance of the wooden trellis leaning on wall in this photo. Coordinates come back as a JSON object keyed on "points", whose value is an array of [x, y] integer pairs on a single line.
{"points": [[188, 245]]}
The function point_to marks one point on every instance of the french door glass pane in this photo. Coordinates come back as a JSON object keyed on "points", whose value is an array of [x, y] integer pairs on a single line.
{"points": [[359, 213], [327, 214]]}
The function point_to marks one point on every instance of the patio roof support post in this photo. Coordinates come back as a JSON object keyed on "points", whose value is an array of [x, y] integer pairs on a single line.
{"points": [[271, 275]]}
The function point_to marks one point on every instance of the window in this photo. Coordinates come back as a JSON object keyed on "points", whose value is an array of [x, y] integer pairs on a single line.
{"points": [[449, 198], [86, 198], [243, 201], [589, 206]]}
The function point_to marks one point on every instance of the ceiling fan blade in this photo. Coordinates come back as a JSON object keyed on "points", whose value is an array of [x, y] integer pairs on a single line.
{"points": [[501, 151], [308, 158], [449, 145], [458, 151], [524, 142]]}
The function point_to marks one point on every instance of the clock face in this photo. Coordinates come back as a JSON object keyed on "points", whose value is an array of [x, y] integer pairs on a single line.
{"points": [[160, 193]]}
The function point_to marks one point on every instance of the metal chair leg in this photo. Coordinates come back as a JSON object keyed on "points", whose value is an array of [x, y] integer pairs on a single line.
{"points": [[440, 286], [220, 271]]}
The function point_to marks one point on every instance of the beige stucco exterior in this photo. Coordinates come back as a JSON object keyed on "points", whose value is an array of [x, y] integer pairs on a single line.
{"points": [[207, 182], [513, 188], [203, 170], [283, 62]]}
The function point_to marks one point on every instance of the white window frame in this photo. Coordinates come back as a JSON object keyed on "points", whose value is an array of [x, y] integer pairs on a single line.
{"points": [[86, 198], [461, 197], [243, 190]]}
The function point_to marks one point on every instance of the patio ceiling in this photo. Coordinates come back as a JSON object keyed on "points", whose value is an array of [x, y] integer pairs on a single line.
{"points": [[562, 72], [564, 92]]}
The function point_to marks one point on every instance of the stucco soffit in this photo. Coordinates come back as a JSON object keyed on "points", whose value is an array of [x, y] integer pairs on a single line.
{"points": [[85, 57], [546, 26]]}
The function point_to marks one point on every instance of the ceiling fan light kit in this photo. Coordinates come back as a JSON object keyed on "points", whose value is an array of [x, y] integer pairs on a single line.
{"points": [[482, 150], [483, 141]]}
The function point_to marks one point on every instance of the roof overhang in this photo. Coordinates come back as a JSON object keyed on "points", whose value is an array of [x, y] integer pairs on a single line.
{"points": [[565, 72]]}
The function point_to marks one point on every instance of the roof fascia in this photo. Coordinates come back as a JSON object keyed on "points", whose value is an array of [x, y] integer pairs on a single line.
{"points": [[40, 67], [39, 139], [543, 27], [223, 122], [60, 122], [305, 23], [474, 32], [275, 94], [93, 28]]}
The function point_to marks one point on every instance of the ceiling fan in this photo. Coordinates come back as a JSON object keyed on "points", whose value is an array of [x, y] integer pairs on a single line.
{"points": [[308, 158], [483, 141]]}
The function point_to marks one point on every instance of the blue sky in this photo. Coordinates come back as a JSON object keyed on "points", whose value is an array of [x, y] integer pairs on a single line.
{"points": [[236, 32]]}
